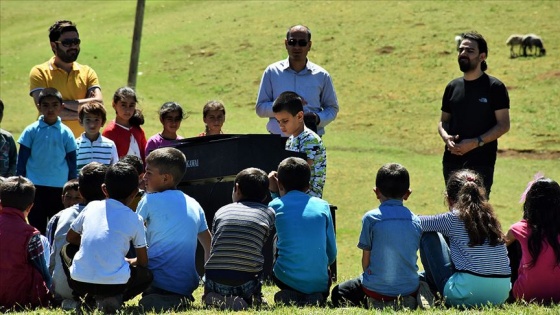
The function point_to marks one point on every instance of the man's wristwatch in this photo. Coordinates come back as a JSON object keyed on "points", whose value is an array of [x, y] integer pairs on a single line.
{"points": [[480, 141]]}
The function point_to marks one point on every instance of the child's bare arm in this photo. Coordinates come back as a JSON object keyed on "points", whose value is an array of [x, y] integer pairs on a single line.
{"points": [[205, 239], [73, 237], [365, 259], [141, 257], [510, 238]]}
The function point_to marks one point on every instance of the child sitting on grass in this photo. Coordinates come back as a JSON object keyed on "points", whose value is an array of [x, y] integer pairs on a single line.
{"points": [[288, 110], [24, 277], [103, 231], [233, 273], [8, 150], [538, 235], [306, 244], [389, 240], [174, 223], [473, 270]]}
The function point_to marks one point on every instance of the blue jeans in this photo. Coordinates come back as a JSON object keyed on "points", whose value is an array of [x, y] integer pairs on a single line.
{"points": [[245, 291], [436, 259]]}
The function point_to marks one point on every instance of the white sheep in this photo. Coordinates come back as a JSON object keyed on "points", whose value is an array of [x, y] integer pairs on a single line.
{"points": [[459, 39], [530, 41], [514, 40]]}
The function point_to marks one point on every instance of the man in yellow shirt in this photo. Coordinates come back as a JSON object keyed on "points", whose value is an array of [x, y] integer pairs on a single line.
{"points": [[77, 83]]}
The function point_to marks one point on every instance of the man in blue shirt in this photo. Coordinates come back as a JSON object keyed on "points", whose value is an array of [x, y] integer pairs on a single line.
{"points": [[299, 75]]}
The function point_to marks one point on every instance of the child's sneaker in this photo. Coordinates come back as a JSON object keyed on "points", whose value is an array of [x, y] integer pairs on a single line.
{"points": [[234, 303], [313, 299], [287, 297], [70, 304]]}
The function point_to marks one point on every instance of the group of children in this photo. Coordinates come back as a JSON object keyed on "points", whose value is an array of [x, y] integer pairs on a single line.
{"points": [[116, 243]]}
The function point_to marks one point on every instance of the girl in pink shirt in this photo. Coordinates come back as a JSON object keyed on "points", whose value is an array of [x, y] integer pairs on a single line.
{"points": [[538, 235]]}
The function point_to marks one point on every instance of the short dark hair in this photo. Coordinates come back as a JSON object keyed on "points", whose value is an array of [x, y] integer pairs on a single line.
{"points": [[170, 107], [294, 174], [17, 192], [70, 185], [308, 31], [392, 180], [288, 101], [253, 184], [482, 45], [213, 105], [60, 27], [1, 110], [90, 179], [49, 92], [92, 108], [170, 161], [121, 180], [134, 161]]}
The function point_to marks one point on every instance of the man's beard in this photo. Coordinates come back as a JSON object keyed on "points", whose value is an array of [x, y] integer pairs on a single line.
{"points": [[65, 56], [466, 65]]}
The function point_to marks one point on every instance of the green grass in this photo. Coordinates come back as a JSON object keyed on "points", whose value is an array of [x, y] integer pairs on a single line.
{"points": [[390, 62]]}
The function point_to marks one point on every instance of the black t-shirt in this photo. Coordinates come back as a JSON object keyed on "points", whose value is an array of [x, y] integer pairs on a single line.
{"points": [[472, 105]]}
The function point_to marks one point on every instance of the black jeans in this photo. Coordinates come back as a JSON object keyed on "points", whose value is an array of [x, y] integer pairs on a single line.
{"points": [[140, 279]]}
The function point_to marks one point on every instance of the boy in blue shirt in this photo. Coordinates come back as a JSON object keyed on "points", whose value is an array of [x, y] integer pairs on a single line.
{"points": [[389, 239], [174, 222], [306, 244], [47, 156], [288, 110]]}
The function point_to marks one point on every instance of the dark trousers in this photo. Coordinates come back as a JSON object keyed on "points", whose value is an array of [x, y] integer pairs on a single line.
{"points": [[349, 293], [140, 279], [486, 171], [47, 203], [282, 286], [514, 255]]}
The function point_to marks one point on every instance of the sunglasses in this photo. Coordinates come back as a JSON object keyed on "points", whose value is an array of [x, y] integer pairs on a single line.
{"points": [[69, 42], [300, 43]]}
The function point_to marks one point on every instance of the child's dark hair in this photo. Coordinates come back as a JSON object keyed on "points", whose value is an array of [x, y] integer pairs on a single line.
{"points": [[93, 108], [542, 212], [127, 92], [288, 101], [134, 161], [90, 179], [467, 195], [1, 110], [17, 192], [213, 105], [294, 174], [393, 181], [60, 27], [253, 184], [170, 161], [121, 180], [171, 107], [49, 92], [70, 185]]}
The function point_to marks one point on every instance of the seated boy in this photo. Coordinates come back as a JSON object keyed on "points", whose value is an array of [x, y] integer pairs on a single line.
{"points": [[103, 231], [24, 277], [71, 194], [288, 111], [174, 222], [306, 244], [233, 273], [8, 150], [47, 156], [89, 182], [389, 240], [92, 146]]}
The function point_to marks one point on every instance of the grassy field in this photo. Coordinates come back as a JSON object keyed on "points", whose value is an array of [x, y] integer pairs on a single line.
{"points": [[390, 62]]}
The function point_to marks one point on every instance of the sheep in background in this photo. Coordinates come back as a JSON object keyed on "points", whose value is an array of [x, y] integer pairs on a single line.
{"points": [[514, 40], [459, 39], [530, 41]]}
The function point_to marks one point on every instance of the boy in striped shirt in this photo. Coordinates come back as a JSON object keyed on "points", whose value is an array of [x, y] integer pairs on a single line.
{"points": [[92, 146]]}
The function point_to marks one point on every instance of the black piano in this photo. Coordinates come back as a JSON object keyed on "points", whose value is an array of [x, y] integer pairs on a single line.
{"points": [[214, 161]]}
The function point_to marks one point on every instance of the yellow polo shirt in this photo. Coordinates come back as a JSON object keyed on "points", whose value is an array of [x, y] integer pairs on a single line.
{"points": [[73, 86]]}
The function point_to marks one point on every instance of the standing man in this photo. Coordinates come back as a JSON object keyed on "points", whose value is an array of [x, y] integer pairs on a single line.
{"points": [[299, 75], [474, 114], [77, 83]]}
